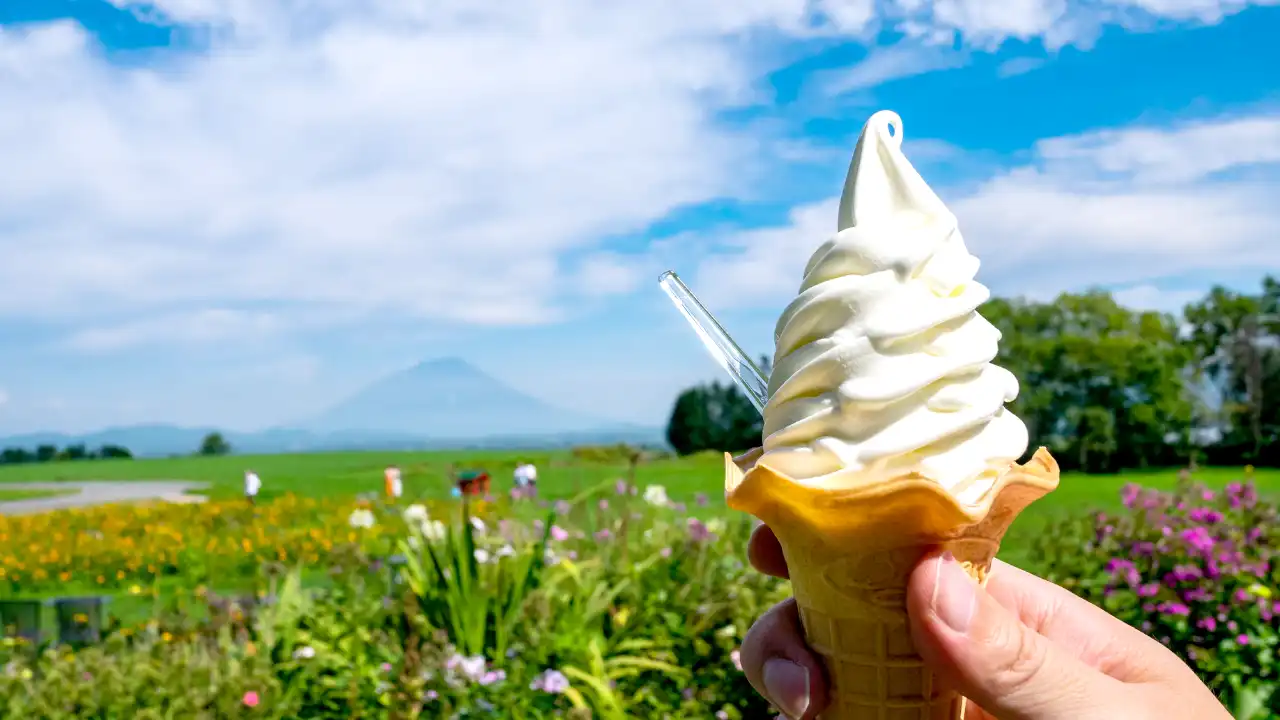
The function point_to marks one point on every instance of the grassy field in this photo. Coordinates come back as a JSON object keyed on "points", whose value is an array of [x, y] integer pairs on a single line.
{"points": [[560, 475]]}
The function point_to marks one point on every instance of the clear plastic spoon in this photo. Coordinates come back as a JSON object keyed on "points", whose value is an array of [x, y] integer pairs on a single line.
{"points": [[722, 348]]}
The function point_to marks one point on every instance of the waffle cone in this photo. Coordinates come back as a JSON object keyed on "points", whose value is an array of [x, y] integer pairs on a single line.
{"points": [[850, 554]]}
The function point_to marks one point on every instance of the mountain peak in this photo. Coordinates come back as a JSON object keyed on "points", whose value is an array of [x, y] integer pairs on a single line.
{"points": [[450, 363], [449, 397]]}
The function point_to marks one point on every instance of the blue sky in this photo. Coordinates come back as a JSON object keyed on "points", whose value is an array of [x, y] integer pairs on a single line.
{"points": [[234, 212]]}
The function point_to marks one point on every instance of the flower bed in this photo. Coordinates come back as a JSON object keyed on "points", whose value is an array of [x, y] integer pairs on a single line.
{"points": [[1196, 569], [615, 605]]}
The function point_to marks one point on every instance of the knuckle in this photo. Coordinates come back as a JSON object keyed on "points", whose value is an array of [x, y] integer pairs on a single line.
{"points": [[1022, 660]]}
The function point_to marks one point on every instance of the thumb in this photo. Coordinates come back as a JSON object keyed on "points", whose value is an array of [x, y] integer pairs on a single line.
{"points": [[983, 651]]}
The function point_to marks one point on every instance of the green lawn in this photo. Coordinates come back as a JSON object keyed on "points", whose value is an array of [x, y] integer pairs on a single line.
{"points": [[11, 494]]}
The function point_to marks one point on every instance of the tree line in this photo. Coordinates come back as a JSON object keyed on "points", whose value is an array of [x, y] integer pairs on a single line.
{"points": [[52, 453], [1104, 387]]}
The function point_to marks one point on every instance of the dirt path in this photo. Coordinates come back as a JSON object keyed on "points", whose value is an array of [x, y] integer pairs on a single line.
{"points": [[99, 493]]}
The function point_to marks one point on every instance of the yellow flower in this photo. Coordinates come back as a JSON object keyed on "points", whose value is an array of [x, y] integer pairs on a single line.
{"points": [[1261, 591], [166, 637]]}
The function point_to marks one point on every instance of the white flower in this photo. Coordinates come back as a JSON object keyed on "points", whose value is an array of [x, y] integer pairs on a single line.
{"points": [[656, 495], [306, 652], [416, 514], [433, 530], [478, 524], [482, 556], [361, 518], [505, 551], [413, 542]]}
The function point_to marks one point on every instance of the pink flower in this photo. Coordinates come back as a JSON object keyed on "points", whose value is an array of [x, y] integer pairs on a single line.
{"points": [[620, 487], [250, 699], [1242, 639], [698, 530], [559, 534], [736, 657], [604, 505]]}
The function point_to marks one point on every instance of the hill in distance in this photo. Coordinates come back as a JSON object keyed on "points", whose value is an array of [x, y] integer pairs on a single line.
{"points": [[449, 398], [436, 404]]}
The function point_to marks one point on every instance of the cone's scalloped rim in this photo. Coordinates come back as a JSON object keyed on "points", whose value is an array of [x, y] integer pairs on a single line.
{"points": [[774, 497]]}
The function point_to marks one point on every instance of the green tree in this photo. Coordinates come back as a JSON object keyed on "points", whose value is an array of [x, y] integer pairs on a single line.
{"points": [[46, 453], [1235, 339], [115, 452], [74, 452], [713, 417], [214, 444], [16, 456], [1100, 384]]}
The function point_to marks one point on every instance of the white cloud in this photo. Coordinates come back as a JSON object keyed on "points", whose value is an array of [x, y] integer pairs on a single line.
{"points": [[4, 397], [199, 327], [1019, 66], [1151, 297], [891, 63], [405, 158], [1120, 207]]}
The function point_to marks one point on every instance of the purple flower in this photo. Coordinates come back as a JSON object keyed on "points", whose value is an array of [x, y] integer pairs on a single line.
{"points": [[620, 487], [562, 507], [493, 676], [1208, 624], [1199, 539], [603, 505], [1205, 515], [1242, 639], [550, 681], [1171, 608], [431, 695], [698, 530], [1130, 494], [1148, 590], [700, 499], [603, 534]]}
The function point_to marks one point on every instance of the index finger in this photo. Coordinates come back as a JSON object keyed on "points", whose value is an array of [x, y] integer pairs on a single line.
{"points": [[1082, 628]]}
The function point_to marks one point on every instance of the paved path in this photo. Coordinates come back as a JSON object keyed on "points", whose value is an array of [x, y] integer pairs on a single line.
{"points": [[99, 492]]}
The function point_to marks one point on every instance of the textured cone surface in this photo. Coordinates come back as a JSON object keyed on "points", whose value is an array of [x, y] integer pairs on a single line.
{"points": [[850, 553], [861, 634]]}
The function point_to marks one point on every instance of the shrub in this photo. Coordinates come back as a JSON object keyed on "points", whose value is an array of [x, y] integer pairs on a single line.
{"points": [[1195, 569]]}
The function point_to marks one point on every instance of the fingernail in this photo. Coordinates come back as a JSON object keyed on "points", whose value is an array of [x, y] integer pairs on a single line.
{"points": [[954, 594], [787, 685]]}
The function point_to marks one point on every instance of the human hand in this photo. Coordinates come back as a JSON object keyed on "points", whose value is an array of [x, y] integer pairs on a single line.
{"points": [[1020, 648]]}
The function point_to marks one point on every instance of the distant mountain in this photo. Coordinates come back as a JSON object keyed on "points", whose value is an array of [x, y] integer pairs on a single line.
{"points": [[450, 398], [437, 404]]}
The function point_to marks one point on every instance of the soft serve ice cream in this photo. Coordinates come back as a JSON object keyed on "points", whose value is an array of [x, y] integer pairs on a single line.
{"points": [[883, 364]]}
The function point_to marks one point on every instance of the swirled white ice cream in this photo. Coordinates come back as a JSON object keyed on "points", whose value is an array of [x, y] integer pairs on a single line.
{"points": [[883, 364]]}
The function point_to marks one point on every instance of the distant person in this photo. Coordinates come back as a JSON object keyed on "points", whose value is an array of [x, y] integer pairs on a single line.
{"points": [[394, 483], [526, 476], [252, 484]]}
